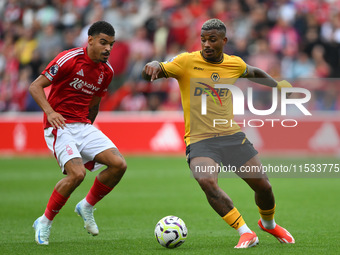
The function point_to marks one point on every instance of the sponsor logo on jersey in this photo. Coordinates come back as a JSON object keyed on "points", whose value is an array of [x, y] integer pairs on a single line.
{"points": [[81, 72], [54, 69], [79, 84], [212, 92], [198, 68]]}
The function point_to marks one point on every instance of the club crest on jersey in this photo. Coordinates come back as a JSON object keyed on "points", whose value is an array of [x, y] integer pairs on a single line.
{"points": [[54, 69], [100, 79], [215, 77]]}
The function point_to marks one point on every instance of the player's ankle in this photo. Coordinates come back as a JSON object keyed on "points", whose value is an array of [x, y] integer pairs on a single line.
{"points": [[268, 224], [244, 229], [45, 220], [86, 204]]}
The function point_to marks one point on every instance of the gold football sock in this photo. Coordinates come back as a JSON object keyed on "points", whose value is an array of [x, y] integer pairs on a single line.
{"points": [[267, 218], [236, 221], [234, 218]]}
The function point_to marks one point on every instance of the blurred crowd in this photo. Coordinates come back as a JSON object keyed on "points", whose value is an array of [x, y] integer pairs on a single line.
{"points": [[290, 39]]}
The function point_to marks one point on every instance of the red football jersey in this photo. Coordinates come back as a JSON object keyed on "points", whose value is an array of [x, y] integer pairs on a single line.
{"points": [[75, 80]]}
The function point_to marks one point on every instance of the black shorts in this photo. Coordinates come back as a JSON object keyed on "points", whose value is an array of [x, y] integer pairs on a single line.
{"points": [[234, 150]]}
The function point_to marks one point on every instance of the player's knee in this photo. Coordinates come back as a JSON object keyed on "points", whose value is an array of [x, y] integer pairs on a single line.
{"points": [[207, 184], [265, 187], [122, 166], [78, 177], [119, 165]]}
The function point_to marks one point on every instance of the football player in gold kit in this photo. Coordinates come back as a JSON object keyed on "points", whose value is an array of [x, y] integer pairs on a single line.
{"points": [[211, 146]]}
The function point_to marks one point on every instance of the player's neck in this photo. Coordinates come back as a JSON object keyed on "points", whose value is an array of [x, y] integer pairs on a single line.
{"points": [[91, 55], [218, 59]]}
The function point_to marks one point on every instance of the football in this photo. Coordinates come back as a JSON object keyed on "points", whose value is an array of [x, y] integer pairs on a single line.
{"points": [[171, 232]]}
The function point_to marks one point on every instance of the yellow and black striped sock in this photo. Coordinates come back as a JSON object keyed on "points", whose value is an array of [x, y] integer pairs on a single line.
{"points": [[267, 217], [234, 219], [267, 214]]}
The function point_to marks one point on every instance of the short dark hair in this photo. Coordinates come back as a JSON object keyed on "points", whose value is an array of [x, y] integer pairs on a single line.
{"points": [[214, 24], [101, 27]]}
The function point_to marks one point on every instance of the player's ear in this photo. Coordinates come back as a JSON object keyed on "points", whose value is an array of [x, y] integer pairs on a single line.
{"points": [[90, 40], [225, 40]]}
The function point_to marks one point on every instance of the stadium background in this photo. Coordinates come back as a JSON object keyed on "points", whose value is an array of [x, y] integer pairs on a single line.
{"points": [[290, 39], [298, 40]]}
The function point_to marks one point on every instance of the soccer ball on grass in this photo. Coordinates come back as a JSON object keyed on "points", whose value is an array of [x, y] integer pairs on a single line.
{"points": [[171, 232]]}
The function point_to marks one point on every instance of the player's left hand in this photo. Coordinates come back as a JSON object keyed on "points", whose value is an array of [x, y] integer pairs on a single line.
{"points": [[284, 84], [56, 120]]}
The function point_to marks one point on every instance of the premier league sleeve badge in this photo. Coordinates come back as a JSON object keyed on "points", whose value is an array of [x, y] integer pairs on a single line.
{"points": [[54, 69]]}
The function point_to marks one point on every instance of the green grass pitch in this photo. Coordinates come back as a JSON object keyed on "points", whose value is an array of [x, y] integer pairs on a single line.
{"points": [[152, 188]]}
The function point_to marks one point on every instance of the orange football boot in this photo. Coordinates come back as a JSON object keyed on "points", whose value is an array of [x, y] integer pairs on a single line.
{"points": [[279, 232], [247, 240]]}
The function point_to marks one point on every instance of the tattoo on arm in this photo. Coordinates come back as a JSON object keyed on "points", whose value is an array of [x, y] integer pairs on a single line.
{"points": [[117, 153], [77, 161]]}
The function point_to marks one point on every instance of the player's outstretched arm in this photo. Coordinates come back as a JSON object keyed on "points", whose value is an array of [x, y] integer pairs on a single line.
{"points": [[36, 89], [259, 76], [152, 71]]}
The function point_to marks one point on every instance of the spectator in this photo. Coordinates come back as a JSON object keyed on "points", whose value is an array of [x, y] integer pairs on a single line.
{"points": [[322, 68], [263, 58], [179, 21], [141, 50], [283, 36], [135, 101], [266, 60], [300, 67], [47, 14], [120, 61], [329, 98], [49, 39], [20, 91], [160, 38], [25, 46]]}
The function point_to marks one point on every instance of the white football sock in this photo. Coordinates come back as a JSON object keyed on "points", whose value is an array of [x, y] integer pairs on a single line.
{"points": [[86, 204], [268, 224], [243, 229], [45, 220]]}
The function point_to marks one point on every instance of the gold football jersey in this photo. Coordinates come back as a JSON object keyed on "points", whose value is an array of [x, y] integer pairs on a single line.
{"points": [[208, 111]]}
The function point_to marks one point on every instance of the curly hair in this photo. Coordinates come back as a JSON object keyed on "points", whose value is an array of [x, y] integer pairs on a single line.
{"points": [[101, 27]]}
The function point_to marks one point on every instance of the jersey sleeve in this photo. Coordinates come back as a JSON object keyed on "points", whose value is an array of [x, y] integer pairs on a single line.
{"points": [[243, 67], [175, 66], [54, 70]]}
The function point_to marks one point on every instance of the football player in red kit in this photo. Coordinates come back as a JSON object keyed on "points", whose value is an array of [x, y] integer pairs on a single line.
{"points": [[79, 79]]}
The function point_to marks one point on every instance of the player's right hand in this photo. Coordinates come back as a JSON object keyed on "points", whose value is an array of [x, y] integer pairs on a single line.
{"points": [[56, 120], [152, 69]]}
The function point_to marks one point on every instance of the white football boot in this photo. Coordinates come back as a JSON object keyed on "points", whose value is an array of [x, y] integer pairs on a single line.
{"points": [[42, 232], [87, 215]]}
